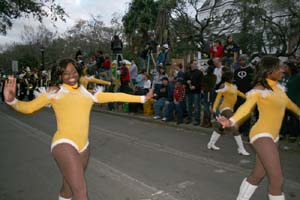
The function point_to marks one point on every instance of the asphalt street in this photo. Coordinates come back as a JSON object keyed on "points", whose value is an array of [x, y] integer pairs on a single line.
{"points": [[132, 158]]}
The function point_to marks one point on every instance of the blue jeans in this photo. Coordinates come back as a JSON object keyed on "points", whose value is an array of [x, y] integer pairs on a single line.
{"points": [[207, 102], [193, 101], [160, 104], [180, 109]]}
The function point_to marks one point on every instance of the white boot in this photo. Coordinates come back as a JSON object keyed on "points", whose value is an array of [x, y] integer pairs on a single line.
{"points": [[281, 197], [213, 139], [246, 190], [241, 148], [62, 198]]}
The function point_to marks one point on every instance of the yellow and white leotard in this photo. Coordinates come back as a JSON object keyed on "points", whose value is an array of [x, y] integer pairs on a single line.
{"points": [[72, 106], [271, 106], [85, 80], [230, 93]]}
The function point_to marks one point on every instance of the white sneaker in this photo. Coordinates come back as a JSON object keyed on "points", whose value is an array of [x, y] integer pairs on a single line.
{"points": [[243, 152], [156, 117], [164, 119]]}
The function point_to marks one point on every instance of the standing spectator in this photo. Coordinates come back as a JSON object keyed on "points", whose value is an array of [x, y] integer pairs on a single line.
{"points": [[208, 87], [152, 45], [43, 80], [99, 62], [216, 50], [107, 67], [21, 86], [231, 53], [243, 77], [143, 55], [162, 55], [179, 73], [291, 122], [193, 79], [124, 78], [218, 71], [179, 100], [117, 48], [133, 72]]}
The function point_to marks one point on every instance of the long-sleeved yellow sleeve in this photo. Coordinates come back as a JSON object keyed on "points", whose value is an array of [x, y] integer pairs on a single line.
{"points": [[245, 109], [106, 97], [86, 80], [239, 93], [28, 107], [293, 107], [217, 101], [99, 81]]}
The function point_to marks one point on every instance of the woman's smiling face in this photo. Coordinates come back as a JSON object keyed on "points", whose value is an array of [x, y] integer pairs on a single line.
{"points": [[70, 75]]}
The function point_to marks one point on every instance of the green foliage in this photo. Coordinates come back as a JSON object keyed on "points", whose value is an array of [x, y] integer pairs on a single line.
{"points": [[89, 36], [141, 17], [13, 9], [272, 23]]}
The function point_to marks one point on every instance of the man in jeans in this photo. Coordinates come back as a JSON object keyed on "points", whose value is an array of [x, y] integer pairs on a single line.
{"points": [[163, 96], [193, 79]]}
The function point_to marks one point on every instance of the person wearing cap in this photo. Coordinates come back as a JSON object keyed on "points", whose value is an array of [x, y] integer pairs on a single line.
{"points": [[163, 100], [243, 77]]}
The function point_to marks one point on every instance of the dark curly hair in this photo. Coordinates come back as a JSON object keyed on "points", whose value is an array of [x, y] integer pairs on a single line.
{"points": [[58, 69], [267, 65], [227, 76]]}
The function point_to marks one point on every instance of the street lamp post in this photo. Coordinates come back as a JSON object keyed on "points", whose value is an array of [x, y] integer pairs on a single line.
{"points": [[42, 49]]}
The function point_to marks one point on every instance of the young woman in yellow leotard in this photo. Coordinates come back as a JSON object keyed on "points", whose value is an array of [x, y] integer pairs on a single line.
{"points": [[72, 104], [271, 101], [229, 93]]}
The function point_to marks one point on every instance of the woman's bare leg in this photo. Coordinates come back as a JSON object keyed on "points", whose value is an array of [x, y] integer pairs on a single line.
{"points": [[267, 152], [65, 190], [258, 173], [71, 165]]}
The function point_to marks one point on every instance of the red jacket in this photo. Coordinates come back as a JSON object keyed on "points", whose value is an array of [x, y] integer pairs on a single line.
{"points": [[125, 76], [106, 64], [179, 93], [217, 52]]}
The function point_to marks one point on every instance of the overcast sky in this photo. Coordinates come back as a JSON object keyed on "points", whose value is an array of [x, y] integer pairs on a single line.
{"points": [[76, 9]]}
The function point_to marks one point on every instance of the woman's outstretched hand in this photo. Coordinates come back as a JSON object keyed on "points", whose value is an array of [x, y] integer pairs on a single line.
{"points": [[149, 95], [224, 121], [10, 89]]}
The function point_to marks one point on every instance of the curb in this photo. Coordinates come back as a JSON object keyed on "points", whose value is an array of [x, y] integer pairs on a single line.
{"points": [[149, 119]]}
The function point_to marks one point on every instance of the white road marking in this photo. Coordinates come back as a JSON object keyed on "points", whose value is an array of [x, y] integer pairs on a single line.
{"points": [[157, 147], [185, 184], [95, 164]]}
